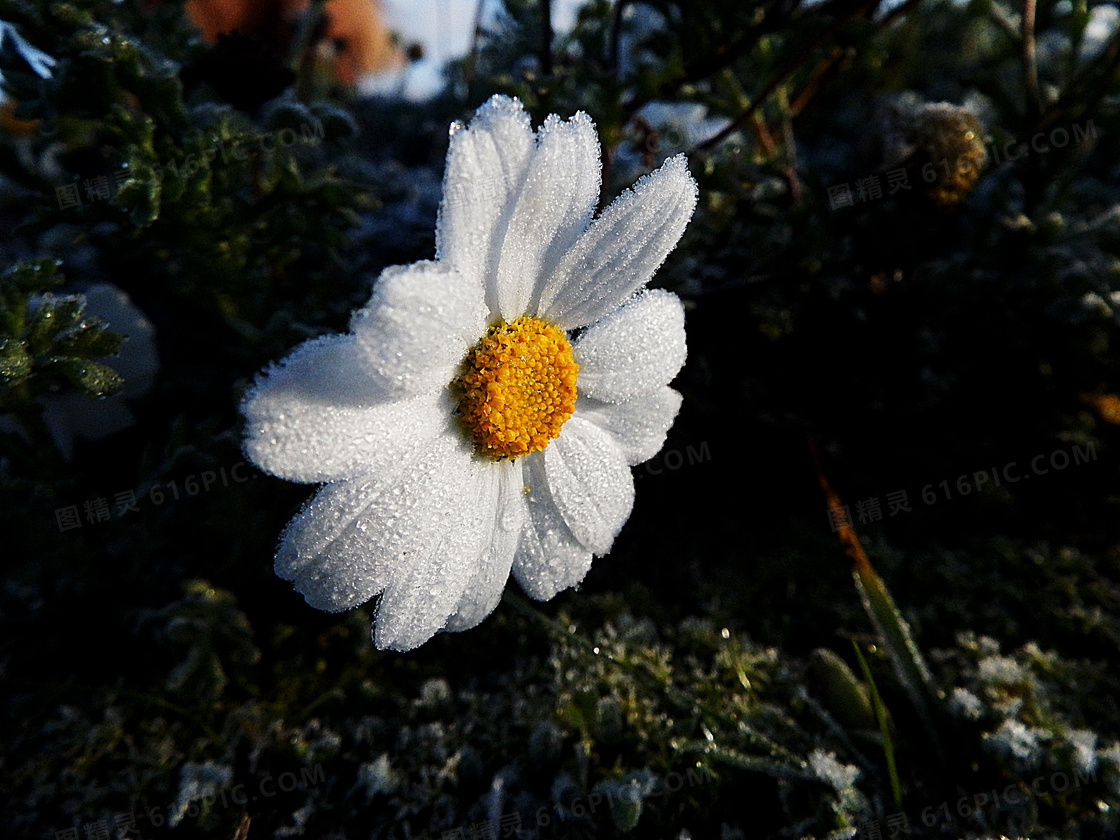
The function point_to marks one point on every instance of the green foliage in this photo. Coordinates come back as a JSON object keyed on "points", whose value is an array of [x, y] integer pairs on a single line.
{"points": [[47, 342]]}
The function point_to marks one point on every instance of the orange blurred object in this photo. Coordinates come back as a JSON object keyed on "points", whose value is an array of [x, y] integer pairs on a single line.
{"points": [[13, 125], [1107, 406], [356, 41]]}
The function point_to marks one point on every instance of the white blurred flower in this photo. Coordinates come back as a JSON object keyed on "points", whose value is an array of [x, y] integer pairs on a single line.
{"points": [[1103, 23], [465, 430], [41, 63], [682, 124], [661, 129]]}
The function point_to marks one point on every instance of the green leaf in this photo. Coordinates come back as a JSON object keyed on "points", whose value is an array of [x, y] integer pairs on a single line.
{"points": [[909, 666], [884, 727], [50, 317], [15, 362], [626, 795], [93, 340], [94, 379]]}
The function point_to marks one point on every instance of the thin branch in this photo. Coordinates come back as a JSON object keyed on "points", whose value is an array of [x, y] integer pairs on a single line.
{"points": [[1030, 62], [616, 36], [471, 62], [720, 58], [784, 74], [546, 37]]}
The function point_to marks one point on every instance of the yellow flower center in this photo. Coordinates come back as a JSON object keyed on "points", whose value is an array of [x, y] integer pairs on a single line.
{"points": [[517, 388]]}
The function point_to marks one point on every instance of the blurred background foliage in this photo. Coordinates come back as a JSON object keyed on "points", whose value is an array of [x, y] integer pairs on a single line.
{"points": [[718, 674]]}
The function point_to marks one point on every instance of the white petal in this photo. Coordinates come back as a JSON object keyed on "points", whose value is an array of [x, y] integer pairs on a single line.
{"points": [[549, 559], [633, 351], [555, 205], [486, 165], [622, 249], [590, 483], [416, 533], [332, 550], [456, 503], [319, 551], [418, 325], [489, 580], [638, 426], [319, 416]]}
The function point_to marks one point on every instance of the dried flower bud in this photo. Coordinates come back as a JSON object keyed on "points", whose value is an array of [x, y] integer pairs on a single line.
{"points": [[941, 145]]}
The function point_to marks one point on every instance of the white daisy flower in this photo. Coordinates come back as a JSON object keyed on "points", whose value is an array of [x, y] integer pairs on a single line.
{"points": [[483, 412]]}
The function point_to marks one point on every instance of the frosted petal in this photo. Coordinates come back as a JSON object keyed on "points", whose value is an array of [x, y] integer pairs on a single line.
{"points": [[638, 426], [416, 533], [418, 325], [453, 503], [633, 351], [590, 483], [549, 559], [486, 166], [333, 551], [553, 208], [622, 249], [319, 416], [330, 514], [485, 587]]}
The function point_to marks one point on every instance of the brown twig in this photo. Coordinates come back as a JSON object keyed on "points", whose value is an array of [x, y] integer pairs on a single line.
{"points": [[1030, 63], [845, 533]]}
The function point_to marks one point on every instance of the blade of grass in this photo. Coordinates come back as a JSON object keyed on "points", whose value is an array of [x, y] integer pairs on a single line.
{"points": [[884, 728], [909, 666]]}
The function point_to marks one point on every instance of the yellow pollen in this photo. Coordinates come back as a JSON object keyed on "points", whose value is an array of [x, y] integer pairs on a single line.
{"points": [[517, 387]]}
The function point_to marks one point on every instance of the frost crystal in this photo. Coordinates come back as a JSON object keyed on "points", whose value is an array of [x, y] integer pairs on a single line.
{"points": [[963, 703], [1015, 740], [1000, 670], [1084, 743], [829, 770], [377, 777], [195, 782]]}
